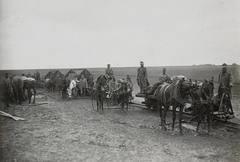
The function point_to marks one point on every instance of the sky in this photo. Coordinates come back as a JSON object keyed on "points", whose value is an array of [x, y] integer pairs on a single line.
{"points": [[39, 34]]}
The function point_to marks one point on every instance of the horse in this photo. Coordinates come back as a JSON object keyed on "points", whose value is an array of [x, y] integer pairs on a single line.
{"points": [[202, 102], [72, 89], [123, 93], [17, 83], [99, 90], [49, 84], [174, 94], [29, 84]]}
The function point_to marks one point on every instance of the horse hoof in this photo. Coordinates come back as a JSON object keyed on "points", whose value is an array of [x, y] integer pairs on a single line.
{"points": [[173, 133], [196, 134]]}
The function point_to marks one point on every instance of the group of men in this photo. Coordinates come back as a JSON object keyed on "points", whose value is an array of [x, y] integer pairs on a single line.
{"points": [[225, 81], [114, 85]]}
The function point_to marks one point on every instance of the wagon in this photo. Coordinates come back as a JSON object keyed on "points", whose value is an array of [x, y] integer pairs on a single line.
{"points": [[223, 109]]}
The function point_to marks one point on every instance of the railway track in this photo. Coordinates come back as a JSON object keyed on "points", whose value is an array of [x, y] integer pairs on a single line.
{"points": [[187, 118]]}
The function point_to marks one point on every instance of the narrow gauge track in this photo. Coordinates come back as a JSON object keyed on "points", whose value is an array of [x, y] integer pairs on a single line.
{"points": [[188, 118]]}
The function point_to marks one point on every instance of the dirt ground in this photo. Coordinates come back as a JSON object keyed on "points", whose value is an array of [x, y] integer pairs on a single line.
{"points": [[70, 130]]}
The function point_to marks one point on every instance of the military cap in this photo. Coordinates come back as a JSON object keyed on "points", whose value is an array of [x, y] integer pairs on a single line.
{"points": [[224, 64], [141, 62]]}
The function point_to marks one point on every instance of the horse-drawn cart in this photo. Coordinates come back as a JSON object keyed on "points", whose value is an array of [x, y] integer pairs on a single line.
{"points": [[221, 107]]}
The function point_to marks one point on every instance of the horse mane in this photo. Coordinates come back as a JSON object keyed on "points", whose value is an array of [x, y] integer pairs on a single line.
{"points": [[100, 76], [176, 92]]}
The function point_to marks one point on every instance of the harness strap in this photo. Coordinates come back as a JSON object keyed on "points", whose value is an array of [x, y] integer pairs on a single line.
{"points": [[164, 92]]}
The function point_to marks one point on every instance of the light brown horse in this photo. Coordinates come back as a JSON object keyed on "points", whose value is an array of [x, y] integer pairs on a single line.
{"points": [[174, 94]]}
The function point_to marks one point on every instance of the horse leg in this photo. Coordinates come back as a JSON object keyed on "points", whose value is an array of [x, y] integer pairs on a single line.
{"points": [[19, 97], [98, 104], [164, 116], [29, 95], [102, 103], [180, 118], [200, 116], [173, 117], [160, 113], [208, 119], [34, 90], [127, 97]]}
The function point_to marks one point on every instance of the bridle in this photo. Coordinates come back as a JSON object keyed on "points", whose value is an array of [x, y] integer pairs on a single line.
{"points": [[203, 90]]}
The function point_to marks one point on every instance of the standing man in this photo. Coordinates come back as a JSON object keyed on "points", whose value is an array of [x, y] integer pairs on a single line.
{"points": [[6, 90], [142, 77], [130, 84], [109, 72], [38, 76], [225, 81], [83, 85], [163, 78]]}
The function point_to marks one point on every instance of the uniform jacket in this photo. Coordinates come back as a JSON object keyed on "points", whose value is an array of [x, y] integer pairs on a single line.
{"points": [[225, 80], [142, 73], [109, 72]]}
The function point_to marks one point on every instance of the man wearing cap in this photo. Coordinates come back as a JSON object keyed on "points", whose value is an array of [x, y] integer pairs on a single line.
{"points": [[109, 72], [6, 89], [130, 84], [164, 77], [225, 81], [142, 77]]}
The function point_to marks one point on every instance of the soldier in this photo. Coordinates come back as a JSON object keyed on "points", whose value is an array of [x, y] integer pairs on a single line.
{"points": [[109, 72], [225, 81], [83, 85], [142, 77], [164, 77], [130, 84], [6, 90], [38, 76]]}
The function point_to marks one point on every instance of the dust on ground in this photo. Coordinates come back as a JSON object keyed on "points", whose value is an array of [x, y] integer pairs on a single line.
{"points": [[70, 130]]}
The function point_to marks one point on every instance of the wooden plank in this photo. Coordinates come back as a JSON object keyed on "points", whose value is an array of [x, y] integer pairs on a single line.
{"points": [[140, 95], [143, 96]]}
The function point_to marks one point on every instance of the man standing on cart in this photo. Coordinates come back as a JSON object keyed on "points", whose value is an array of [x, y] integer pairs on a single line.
{"points": [[142, 77], [225, 81]]}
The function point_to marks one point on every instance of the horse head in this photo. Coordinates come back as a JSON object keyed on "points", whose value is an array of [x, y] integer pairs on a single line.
{"points": [[207, 89], [90, 79], [102, 83]]}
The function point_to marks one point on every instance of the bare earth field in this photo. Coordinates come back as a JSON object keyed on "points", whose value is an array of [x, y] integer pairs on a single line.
{"points": [[70, 130]]}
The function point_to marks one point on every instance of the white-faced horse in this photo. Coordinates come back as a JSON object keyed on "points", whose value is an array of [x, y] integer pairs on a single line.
{"points": [[72, 89]]}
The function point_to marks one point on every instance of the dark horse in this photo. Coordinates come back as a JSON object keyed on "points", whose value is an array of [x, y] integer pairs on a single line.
{"points": [[17, 83], [123, 93], [30, 85], [19, 87], [174, 94], [99, 91], [202, 102]]}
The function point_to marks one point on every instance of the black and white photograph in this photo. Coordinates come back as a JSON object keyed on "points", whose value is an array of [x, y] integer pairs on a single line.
{"points": [[119, 80]]}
